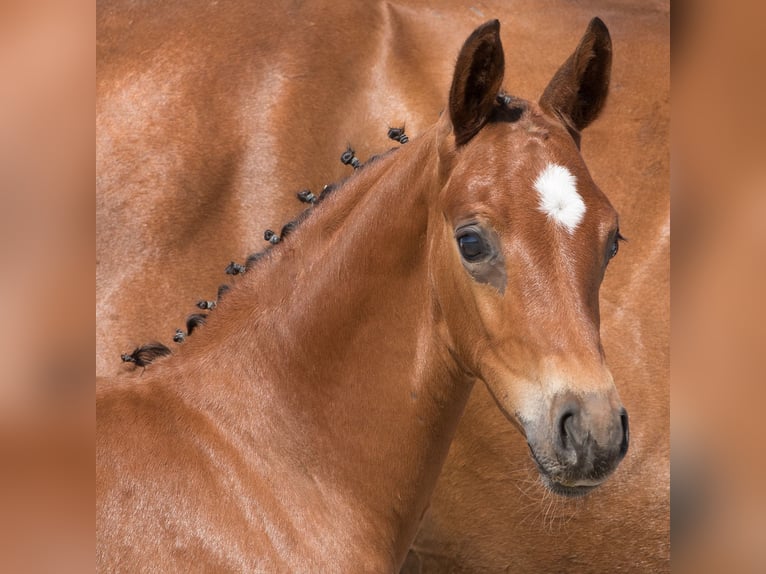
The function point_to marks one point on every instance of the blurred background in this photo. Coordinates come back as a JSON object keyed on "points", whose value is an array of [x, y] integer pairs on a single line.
{"points": [[718, 352], [47, 226]]}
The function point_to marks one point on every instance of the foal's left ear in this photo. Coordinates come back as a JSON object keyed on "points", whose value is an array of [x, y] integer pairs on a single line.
{"points": [[578, 90], [477, 80]]}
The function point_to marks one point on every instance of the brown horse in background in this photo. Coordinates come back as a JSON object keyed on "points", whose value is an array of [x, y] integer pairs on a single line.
{"points": [[305, 426], [201, 109]]}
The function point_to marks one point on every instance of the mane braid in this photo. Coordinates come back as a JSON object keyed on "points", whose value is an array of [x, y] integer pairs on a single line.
{"points": [[348, 157], [146, 354], [271, 236], [235, 268], [397, 134], [193, 321], [306, 196]]}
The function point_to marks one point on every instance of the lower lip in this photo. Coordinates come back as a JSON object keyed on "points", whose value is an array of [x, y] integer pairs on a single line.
{"points": [[570, 491]]}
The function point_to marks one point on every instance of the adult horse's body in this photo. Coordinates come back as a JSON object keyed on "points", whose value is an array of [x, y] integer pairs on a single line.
{"points": [[210, 118], [305, 426]]}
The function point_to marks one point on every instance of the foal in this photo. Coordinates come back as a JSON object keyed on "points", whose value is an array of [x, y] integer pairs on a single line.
{"points": [[304, 426]]}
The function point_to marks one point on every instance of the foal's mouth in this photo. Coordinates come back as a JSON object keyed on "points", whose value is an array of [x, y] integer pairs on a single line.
{"points": [[576, 490], [570, 488]]}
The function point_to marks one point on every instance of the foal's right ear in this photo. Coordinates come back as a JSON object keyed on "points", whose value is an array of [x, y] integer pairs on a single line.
{"points": [[477, 80]]}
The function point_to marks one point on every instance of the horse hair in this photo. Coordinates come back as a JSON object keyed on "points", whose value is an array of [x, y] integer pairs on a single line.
{"points": [[377, 156], [145, 354], [327, 190], [510, 109], [223, 289], [288, 228], [251, 260]]}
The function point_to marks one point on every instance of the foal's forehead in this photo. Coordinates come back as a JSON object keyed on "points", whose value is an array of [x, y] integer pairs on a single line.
{"points": [[534, 161]]}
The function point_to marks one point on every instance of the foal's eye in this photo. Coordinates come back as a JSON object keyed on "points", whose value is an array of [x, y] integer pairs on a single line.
{"points": [[615, 247], [472, 246]]}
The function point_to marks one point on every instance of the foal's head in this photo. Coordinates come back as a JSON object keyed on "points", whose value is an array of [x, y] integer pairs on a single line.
{"points": [[526, 239]]}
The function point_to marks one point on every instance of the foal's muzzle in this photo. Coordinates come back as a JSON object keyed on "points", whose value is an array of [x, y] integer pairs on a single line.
{"points": [[586, 440]]}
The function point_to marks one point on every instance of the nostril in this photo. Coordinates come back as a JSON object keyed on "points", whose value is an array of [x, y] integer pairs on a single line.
{"points": [[564, 422], [625, 432]]}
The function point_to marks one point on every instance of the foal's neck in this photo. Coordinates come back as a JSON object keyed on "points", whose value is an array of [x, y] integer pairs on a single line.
{"points": [[337, 338]]}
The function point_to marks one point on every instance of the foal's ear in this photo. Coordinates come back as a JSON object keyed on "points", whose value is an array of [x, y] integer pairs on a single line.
{"points": [[578, 90], [477, 80]]}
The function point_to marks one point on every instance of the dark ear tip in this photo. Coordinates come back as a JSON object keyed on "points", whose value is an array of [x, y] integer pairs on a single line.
{"points": [[597, 27], [492, 27]]}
